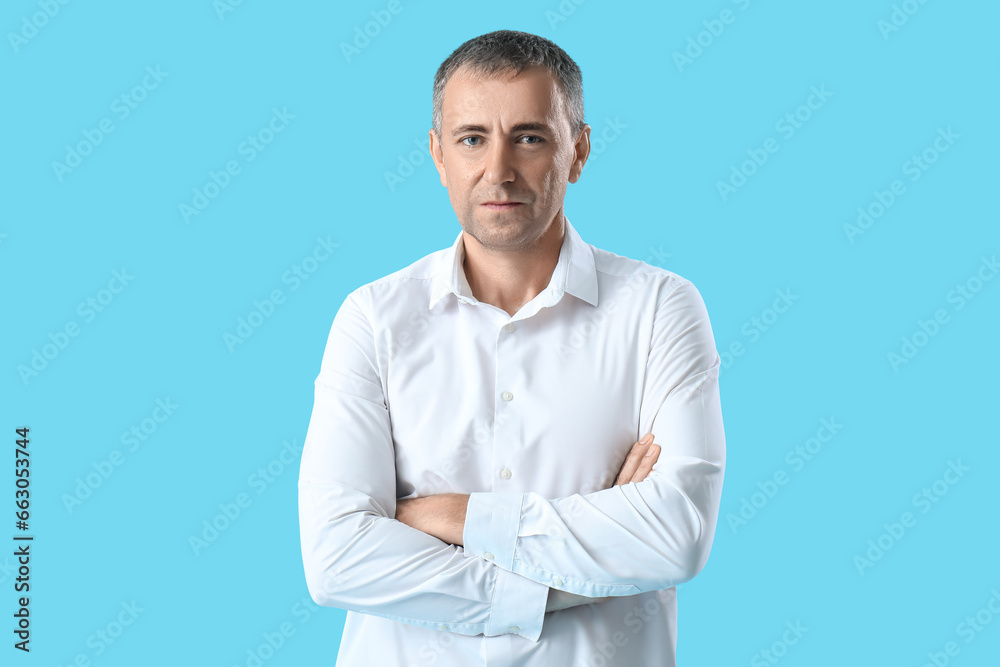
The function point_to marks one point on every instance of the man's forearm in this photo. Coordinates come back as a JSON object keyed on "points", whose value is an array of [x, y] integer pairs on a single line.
{"points": [[441, 515]]}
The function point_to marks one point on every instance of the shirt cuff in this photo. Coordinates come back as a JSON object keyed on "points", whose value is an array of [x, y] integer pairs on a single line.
{"points": [[518, 606], [491, 524]]}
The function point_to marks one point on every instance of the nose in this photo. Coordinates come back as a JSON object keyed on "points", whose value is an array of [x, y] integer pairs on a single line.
{"points": [[499, 166]]}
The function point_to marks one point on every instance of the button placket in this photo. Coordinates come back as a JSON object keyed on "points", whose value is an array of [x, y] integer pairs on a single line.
{"points": [[508, 381]]}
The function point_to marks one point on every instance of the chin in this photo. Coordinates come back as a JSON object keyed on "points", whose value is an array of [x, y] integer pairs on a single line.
{"points": [[498, 233]]}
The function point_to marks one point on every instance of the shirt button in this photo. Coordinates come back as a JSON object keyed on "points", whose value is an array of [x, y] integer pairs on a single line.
{"points": [[507, 396], [509, 327], [515, 628], [442, 626], [488, 556], [505, 473], [557, 582]]}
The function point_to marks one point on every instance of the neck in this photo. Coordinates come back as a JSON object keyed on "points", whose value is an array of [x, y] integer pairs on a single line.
{"points": [[510, 279]]}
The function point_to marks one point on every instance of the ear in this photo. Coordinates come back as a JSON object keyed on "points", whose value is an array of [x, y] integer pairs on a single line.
{"points": [[582, 149], [438, 157]]}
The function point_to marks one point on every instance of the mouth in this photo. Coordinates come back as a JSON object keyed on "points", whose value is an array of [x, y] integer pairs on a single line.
{"points": [[502, 206]]}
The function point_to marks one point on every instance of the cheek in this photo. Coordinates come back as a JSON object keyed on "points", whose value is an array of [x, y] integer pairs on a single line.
{"points": [[459, 192], [557, 177], [551, 183], [459, 177]]}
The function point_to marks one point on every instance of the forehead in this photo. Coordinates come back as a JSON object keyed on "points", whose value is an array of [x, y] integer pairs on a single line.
{"points": [[530, 95]]}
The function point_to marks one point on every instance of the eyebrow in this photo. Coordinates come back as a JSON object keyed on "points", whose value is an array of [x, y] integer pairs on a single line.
{"points": [[520, 127]]}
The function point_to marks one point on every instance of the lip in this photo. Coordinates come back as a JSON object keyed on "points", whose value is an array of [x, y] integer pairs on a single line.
{"points": [[501, 206]]}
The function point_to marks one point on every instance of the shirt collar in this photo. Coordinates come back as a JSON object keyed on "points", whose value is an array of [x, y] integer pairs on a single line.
{"points": [[575, 272]]}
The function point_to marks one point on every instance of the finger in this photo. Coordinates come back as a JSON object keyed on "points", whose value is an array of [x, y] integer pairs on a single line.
{"points": [[646, 465], [633, 459], [631, 463]]}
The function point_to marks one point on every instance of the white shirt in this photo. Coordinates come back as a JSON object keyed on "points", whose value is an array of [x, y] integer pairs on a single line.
{"points": [[425, 390]]}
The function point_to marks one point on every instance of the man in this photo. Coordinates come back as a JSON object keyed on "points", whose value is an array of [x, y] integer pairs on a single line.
{"points": [[462, 489]]}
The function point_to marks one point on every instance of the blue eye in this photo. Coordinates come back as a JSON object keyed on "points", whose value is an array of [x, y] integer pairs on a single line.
{"points": [[534, 140]]}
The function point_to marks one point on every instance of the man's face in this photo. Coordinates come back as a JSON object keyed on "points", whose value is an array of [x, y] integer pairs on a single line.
{"points": [[507, 140]]}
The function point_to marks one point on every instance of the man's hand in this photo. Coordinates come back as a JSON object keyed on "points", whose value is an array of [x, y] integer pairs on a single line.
{"points": [[637, 464], [441, 515]]}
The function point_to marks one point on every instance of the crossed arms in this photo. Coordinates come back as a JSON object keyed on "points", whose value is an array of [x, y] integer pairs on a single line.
{"points": [[364, 550], [442, 515]]}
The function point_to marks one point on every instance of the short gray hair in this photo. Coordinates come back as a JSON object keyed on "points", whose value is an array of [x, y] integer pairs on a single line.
{"points": [[513, 51]]}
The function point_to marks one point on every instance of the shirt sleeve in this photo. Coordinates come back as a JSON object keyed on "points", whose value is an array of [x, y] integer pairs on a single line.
{"points": [[355, 554], [636, 537]]}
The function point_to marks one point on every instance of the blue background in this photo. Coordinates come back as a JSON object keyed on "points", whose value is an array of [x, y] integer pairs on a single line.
{"points": [[673, 132]]}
